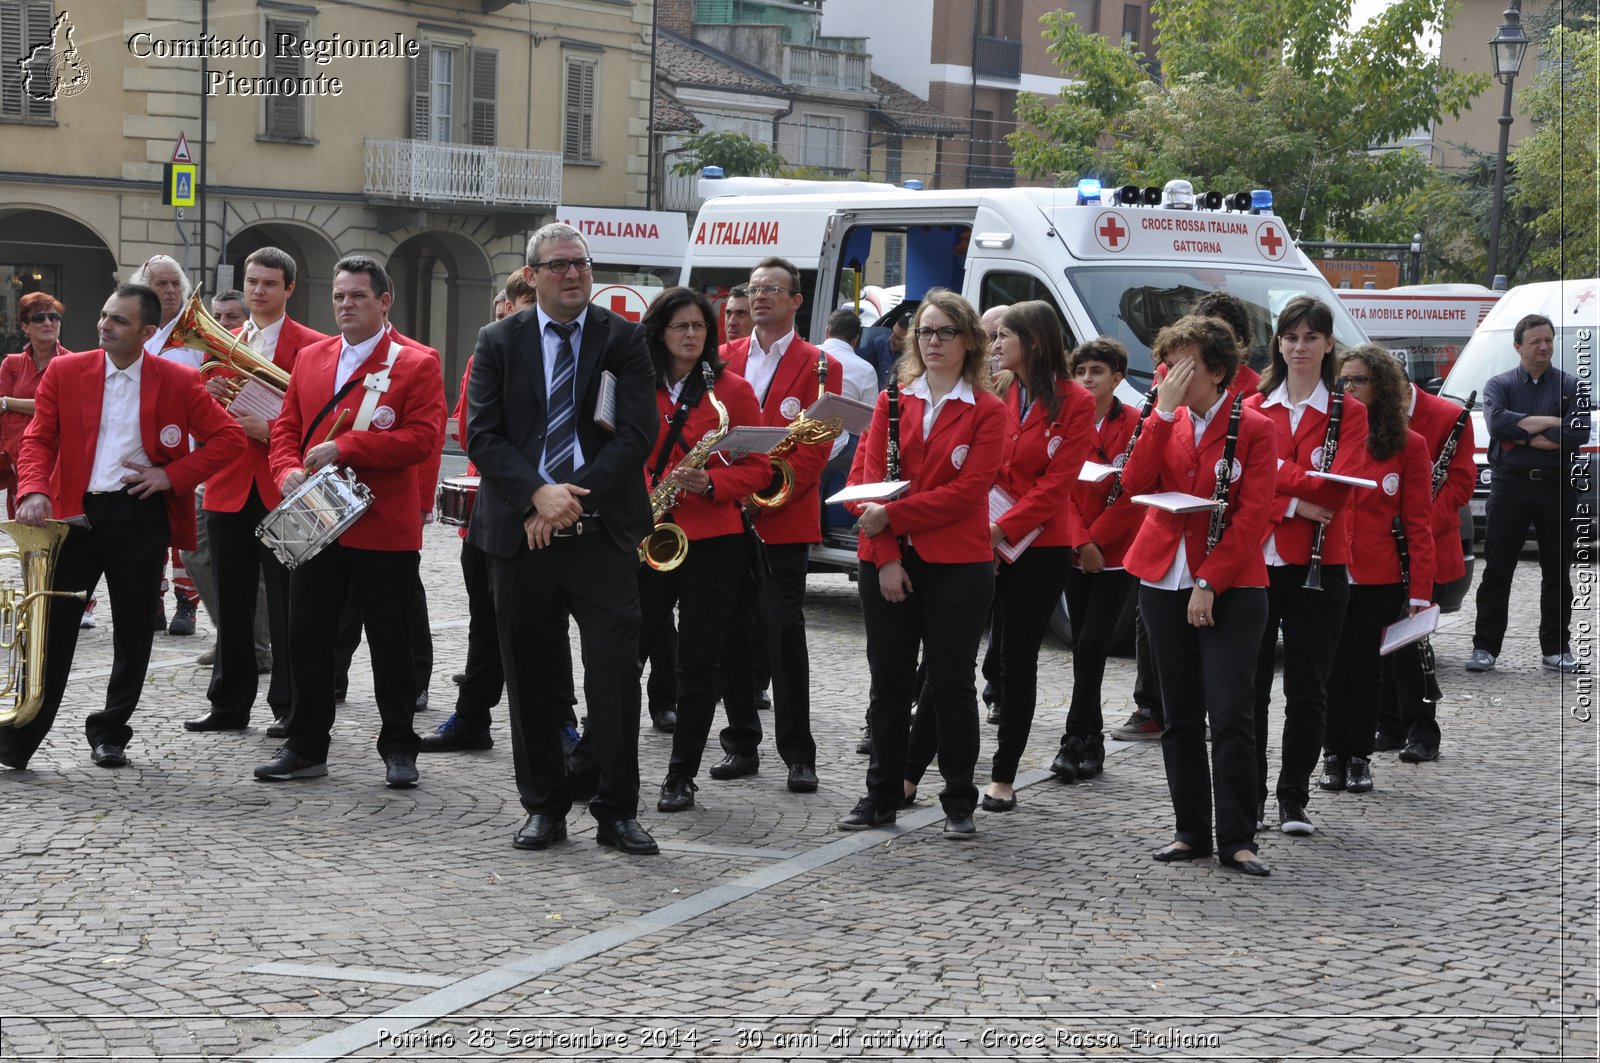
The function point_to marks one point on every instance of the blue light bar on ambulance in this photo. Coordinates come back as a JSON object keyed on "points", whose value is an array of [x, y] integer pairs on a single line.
{"points": [[712, 172], [1089, 192], [1261, 201], [914, 184]]}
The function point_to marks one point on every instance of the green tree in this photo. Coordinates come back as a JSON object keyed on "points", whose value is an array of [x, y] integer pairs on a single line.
{"points": [[737, 154], [1288, 98], [1558, 164]]}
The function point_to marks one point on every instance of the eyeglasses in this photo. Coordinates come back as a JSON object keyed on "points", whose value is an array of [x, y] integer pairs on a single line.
{"points": [[39, 319], [769, 289], [948, 333], [1356, 381], [682, 327], [566, 265]]}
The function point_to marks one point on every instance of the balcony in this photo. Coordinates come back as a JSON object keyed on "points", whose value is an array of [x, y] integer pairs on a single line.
{"points": [[991, 176], [826, 68], [422, 171], [997, 57]]}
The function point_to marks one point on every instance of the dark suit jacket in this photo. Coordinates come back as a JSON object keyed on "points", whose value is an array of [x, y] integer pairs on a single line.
{"points": [[506, 428]]}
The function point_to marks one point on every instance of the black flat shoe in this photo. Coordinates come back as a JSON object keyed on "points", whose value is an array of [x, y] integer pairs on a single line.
{"points": [[1250, 865], [217, 721], [999, 804], [540, 831], [1176, 854]]}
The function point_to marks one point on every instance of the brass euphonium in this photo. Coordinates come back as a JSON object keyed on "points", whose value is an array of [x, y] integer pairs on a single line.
{"points": [[803, 431], [25, 616], [225, 353], [667, 544]]}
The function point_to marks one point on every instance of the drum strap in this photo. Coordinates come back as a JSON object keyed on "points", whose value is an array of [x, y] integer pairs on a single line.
{"points": [[377, 384]]}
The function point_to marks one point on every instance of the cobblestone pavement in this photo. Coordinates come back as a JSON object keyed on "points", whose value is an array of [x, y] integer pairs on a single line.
{"points": [[177, 909]]}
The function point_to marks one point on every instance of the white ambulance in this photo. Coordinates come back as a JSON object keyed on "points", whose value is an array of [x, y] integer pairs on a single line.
{"points": [[1425, 325], [637, 253]]}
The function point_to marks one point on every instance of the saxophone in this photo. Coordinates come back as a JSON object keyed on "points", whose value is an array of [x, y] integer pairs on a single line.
{"points": [[667, 544], [803, 431]]}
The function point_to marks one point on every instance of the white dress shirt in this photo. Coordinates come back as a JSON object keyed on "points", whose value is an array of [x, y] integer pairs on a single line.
{"points": [[1178, 577], [550, 346], [1317, 400], [762, 365], [264, 341], [353, 358], [119, 428], [962, 392]]}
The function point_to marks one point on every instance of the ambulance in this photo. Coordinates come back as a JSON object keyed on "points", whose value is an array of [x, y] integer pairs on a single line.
{"points": [[636, 253], [1425, 325]]}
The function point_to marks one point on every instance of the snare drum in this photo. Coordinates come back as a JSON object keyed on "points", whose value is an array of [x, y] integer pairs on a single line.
{"points": [[454, 499], [318, 511]]}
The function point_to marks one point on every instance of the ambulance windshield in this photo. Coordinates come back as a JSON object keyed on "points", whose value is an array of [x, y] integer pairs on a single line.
{"points": [[1131, 305]]}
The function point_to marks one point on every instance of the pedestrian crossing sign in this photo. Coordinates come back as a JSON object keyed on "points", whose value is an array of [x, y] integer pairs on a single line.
{"points": [[181, 184]]}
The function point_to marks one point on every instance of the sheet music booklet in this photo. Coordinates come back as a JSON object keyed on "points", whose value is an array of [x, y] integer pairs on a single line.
{"points": [[605, 406], [885, 491], [1411, 629], [1175, 502], [1093, 472], [749, 439], [999, 503], [856, 415], [1353, 481], [259, 399]]}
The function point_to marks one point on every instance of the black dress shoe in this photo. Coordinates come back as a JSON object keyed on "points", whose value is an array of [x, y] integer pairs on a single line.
{"points": [[865, 815], [864, 747], [960, 828], [452, 736], [664, 720], [736, 765], [626, 836], [1065, 766], [1417, 752], [399, 771], [1334, 773], [763, 702], [1359, 778], [1246, 861], [217, 721], [290, 765], [539, 831], [999, 804], [1092, 761], [278, 729], [459, 678], [802, 779], [1177, 854], [1383, 742], [677, 794], [108, 755]]}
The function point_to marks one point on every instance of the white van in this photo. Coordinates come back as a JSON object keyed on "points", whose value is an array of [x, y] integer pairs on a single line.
{"points": [[1574, 307], [1425, 325]]}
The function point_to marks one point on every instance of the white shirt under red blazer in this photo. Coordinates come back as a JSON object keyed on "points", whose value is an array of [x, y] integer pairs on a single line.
{"points": [[173, 405], [1433, 419], [699, 517], [405, 432], [1166, 459], [945, 511], [1041, 461], [1404, 489], [1299, 451]]}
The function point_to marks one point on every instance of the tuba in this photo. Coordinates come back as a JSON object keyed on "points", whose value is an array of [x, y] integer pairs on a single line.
{"points": [[25, 616], [803, 431], [226, 354], [667, 544]]}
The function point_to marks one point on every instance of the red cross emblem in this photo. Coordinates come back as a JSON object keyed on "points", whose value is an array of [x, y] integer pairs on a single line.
{"points": [[1272, 245], [1110, 232], [619, 306]]}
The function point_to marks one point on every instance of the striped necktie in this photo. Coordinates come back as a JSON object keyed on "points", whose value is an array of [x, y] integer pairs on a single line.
{"points": [[561, 438]]}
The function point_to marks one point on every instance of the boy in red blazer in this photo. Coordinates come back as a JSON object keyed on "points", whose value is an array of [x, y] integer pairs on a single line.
{"points": [[377, 557], [111, 428]]}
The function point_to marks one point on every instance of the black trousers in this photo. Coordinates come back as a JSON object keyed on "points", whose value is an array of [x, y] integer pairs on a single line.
{"points": [[1407, 714], [126, 541], [773, 613], [1355, 682], [240, 562], [381, 581], [1515, 503], [1205, 672], [594, 580], [1027, 590], [415, 609], [1146, 684], [1311, 622], [993, 662], [485, 677], [946, 611], [1094, 601], [698, 589]]}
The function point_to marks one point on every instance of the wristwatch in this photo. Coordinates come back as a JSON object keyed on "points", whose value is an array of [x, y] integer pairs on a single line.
{"points": [[711, 490], [1204, 585]]}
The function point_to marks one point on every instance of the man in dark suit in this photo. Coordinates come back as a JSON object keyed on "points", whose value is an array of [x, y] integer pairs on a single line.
{"points": [[561, 510]]}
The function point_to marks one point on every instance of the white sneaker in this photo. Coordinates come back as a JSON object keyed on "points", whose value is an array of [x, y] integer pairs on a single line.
{"points": [[1562, 662], [1480, 661]]}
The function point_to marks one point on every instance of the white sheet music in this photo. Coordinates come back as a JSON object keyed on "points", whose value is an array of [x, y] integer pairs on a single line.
{"points": [[1093, 472], [856, 415], [1353, 481], [884, 491], [749, 439], [1000, 502], [259, 399], [1175, 502], [605, 405], [1411, 629]]}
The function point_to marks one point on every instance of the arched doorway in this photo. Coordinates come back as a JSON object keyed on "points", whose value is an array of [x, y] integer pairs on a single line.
{"points": [[314, 255], [443, 287], [43, 250]]}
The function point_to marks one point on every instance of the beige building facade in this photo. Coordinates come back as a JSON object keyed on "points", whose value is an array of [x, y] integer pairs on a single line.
{"points": [[432, 135], [1465, 46]]}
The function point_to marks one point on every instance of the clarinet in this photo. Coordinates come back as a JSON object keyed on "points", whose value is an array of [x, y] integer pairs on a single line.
{"points": [[1447, 453], [1116, 481], [1330, 445], [1219, 496], [891, 454], [1431, 693]]}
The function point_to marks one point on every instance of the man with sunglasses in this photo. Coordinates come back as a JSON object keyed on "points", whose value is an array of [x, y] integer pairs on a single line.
{"points": [[562, 417], [782, 368]]}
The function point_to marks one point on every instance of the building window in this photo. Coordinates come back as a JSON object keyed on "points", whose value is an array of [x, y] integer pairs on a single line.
{"points": [[447, 107], [441, 87], [283, 116], [824, 141], [28, 61], [577, 142], [893, 159], [1132, 24]]}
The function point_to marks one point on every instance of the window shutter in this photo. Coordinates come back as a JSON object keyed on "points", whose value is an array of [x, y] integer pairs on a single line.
{"points": [[578, 143], [285, 114], [13, 45], [39, 20], [421, 69], [485, 66]]}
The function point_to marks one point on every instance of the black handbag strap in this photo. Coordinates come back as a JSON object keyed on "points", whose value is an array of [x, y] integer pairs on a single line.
{"points": [[311, 428], [688, 399]]}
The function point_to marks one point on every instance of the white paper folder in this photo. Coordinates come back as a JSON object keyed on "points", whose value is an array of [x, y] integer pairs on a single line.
{"points": [[879, 492], [1411, 629], [855, 415], [1175, 502], [749, 439]]}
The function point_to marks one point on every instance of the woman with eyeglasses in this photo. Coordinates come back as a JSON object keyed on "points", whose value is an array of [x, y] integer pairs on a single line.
{"points": [[680, 329], [1397, 459], [927, 566], [40, 315]]}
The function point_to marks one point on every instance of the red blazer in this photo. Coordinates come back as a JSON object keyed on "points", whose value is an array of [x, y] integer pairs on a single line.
{"points": [[945, 511], [1110, 528], [1165, 459], [428, 472], [173, 405], [1404, 490], [383, 458], [229, 490], [1298, 452], [800, 520], [1432, 419], [1040, 464], [699, 518]]}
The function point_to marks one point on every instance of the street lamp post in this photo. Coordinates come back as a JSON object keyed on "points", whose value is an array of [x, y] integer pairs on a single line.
{"points": [[1506, 51]]}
